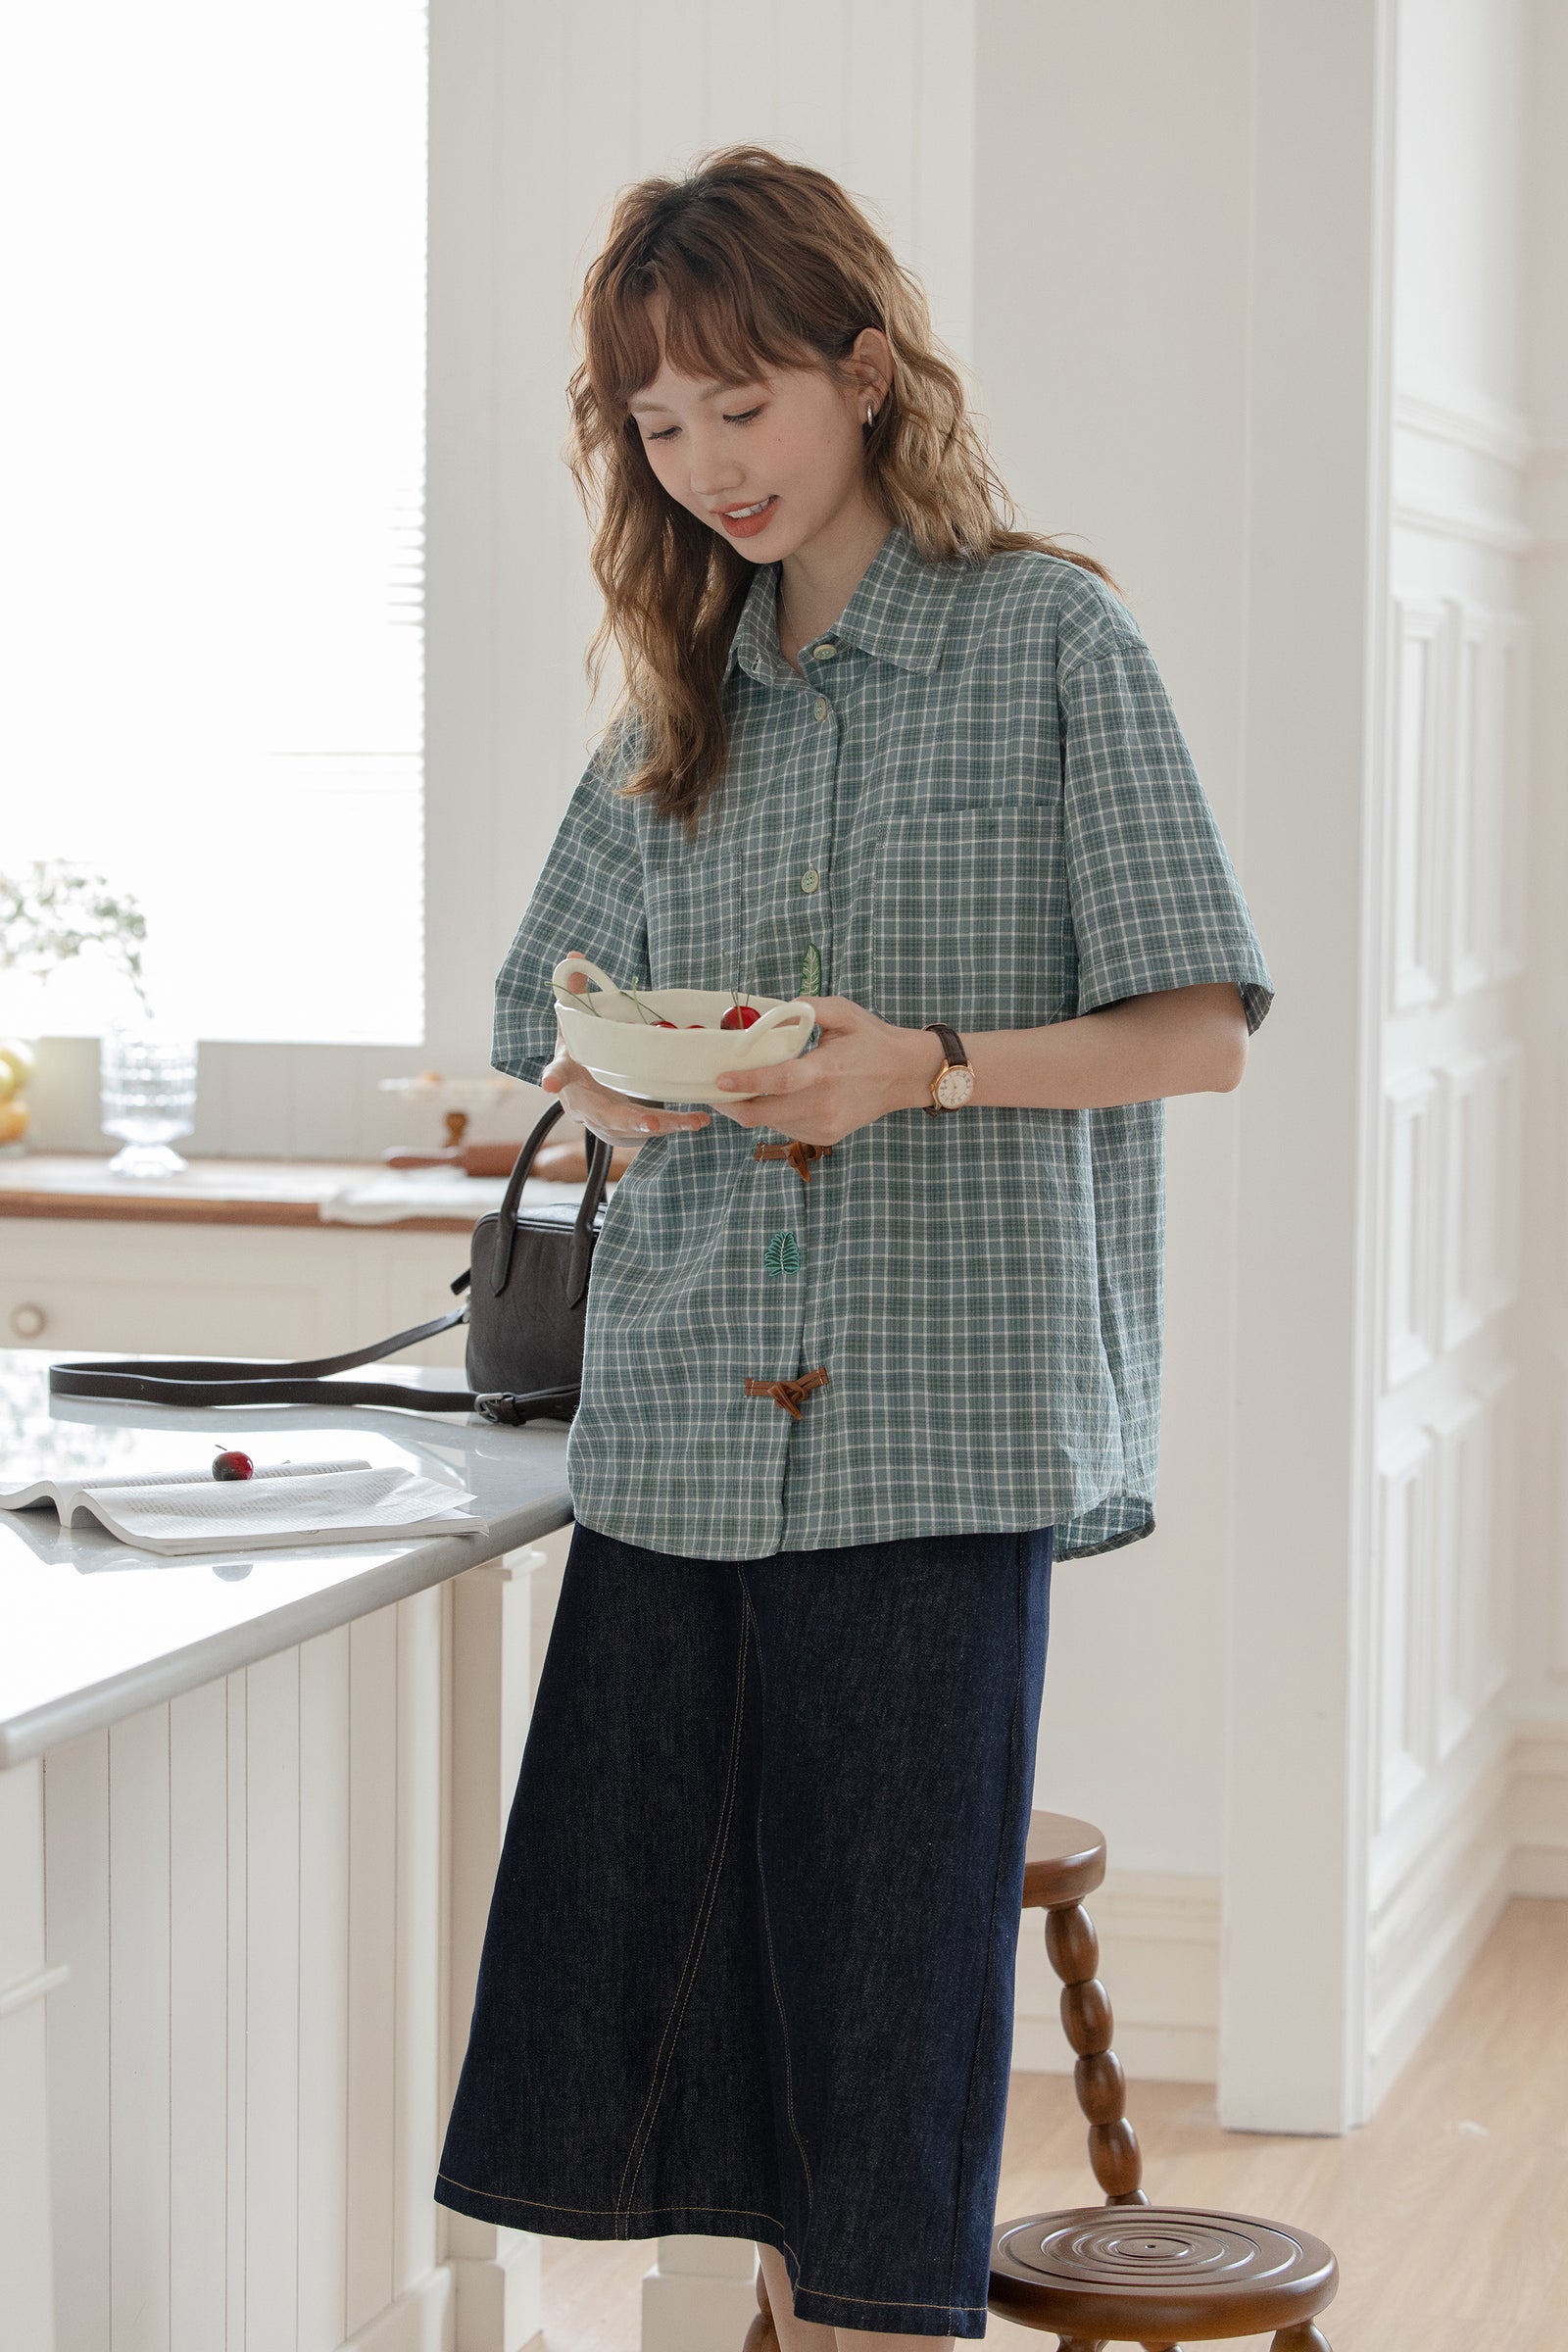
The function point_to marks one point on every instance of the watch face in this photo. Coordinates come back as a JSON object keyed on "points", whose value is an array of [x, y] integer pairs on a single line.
{"points": [[954, 1087]]}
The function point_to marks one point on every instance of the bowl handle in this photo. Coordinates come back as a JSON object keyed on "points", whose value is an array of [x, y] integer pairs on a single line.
{"points": [[783, 1016], [581, 963]]}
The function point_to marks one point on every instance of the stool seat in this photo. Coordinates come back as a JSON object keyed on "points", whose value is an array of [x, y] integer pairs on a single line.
{"points": [[1159, 2275], [1064, 1861]]}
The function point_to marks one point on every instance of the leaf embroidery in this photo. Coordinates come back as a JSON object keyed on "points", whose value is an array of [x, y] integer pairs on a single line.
{"points": [[810, 973], [783, 1254]]}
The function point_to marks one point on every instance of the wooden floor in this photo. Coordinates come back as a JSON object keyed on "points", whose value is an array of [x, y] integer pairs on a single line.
{"points": [[1448, 2213]]}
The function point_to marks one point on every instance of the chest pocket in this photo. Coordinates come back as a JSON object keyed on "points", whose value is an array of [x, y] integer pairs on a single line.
{"points": [[970, 921]]}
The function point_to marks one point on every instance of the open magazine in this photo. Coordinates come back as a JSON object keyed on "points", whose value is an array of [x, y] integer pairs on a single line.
{"points": [[283, 1503]]}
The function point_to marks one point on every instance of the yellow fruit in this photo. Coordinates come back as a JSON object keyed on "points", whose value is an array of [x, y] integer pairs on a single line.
{"points": [[19, 1057], [14, 1120], [7, 1082]]}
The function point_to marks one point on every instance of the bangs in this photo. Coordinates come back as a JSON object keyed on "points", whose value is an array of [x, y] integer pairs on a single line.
{"points": [[718, 327]]}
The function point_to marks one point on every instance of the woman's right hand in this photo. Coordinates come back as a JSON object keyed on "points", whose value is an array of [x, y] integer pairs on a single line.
{"points": [[619, 1118]]}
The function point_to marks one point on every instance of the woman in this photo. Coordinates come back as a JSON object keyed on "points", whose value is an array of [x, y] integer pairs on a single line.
{"points": [[866, 1353]]}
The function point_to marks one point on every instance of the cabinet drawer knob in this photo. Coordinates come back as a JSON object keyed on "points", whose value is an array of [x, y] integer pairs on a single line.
{"points": [[27, 1320]]}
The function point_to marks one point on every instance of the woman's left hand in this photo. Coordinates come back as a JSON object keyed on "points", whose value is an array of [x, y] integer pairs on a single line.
{"points": [[860, 1068]]}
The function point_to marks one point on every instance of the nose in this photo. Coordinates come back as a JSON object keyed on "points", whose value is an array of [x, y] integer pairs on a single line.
{"points": [[714, 472]]}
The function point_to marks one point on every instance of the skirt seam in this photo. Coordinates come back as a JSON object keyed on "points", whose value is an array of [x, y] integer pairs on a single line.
{"points": [[683, 1991], [767, 1924], [747, 2213]]}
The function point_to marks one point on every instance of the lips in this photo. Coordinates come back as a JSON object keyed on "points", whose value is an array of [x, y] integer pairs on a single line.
{"points": [[745, 525]]}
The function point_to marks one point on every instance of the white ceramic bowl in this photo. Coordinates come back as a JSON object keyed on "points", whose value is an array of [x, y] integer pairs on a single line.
{"points": [[622, 1050]]}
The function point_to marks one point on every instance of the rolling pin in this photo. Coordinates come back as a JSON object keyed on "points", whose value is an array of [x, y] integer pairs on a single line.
{"points": [[564, 1162]]}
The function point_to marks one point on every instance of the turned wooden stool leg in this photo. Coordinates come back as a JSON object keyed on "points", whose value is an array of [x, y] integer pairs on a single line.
{"points": [[1087, 2021], [1306, 2338]]}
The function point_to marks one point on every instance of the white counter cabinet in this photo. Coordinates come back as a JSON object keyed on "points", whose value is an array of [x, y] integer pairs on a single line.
{"points": [[223, 1289], [250, 1812], [250, 1819]]}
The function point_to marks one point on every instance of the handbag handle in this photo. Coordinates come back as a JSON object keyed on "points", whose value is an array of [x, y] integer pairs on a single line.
{"points": [[600, 1155]]}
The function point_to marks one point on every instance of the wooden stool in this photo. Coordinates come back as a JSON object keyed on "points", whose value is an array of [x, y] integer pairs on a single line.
{"points": [[1064, 1861], [1155, 2276]]}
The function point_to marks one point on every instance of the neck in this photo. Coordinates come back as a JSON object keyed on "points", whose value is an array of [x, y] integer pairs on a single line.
{"points": [[819, 580]]}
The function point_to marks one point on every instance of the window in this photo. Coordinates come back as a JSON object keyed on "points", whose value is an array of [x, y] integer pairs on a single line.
{"points": [[213, 421]]}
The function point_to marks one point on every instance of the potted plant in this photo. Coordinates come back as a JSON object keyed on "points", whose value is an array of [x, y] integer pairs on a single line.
{"points": [[48, 915]]}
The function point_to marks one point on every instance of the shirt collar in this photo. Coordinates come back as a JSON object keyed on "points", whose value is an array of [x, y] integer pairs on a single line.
{"points": [[898, 612]]}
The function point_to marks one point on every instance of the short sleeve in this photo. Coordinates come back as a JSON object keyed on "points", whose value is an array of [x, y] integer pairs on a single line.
{"points": [[589, 895], [1155, 901]]}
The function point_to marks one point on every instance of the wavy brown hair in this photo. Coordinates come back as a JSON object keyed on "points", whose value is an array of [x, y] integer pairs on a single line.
{"points": [[764, 260]]}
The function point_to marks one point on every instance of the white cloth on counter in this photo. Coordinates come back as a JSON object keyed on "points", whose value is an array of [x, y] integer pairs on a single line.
{"points": [[434, 1192]]}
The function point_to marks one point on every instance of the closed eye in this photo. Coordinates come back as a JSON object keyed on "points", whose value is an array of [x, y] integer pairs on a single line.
{"points": [[744, 417]]}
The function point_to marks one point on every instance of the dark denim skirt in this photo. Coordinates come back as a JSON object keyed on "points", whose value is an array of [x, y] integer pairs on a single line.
{"points": [[749, 1966]]}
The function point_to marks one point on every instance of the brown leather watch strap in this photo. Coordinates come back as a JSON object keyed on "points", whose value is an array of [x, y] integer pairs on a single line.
{"points": [[955, 1058]]}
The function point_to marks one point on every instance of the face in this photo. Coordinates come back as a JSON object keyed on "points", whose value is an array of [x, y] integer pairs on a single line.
{"points": [[789, 441]]}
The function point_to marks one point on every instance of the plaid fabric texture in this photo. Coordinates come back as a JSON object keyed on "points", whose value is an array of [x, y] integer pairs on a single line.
{"points": [[978, 806]]}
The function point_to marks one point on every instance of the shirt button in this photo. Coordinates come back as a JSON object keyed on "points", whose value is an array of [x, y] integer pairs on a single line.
{"points": [[819, 707], [823, 652], [809, 880]]}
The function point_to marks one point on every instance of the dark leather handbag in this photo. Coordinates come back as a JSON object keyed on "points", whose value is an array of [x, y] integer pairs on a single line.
{"points": [[528, 1285]]}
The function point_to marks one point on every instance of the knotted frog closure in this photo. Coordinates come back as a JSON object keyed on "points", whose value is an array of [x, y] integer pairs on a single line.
{"points": [[799, 1155], [789, 1393]]}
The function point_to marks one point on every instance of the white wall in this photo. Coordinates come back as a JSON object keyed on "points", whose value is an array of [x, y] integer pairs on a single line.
{"points": [[580, 102], [1540, 1652], [1249, 297], [1110, 348], [1271, 306], [1455, 1068]]}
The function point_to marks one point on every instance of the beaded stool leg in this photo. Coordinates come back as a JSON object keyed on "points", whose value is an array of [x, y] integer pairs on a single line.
{"points": [[1074, 1948], [1305, 2338]]}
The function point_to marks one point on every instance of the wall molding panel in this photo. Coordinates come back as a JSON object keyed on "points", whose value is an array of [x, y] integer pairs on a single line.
{"points": [[1510, 754], [1405, 1633], [1463, 419], [1466, 1132], [1417, 717], [1412, 1109], [1506, 1171]]}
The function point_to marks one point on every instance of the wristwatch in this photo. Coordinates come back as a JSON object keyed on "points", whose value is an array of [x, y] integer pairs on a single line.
{"points": [[954, 1083]]}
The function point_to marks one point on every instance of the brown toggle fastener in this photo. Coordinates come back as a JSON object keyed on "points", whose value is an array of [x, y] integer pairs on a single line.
{"points": [[788, 1393], [799, 1155]]}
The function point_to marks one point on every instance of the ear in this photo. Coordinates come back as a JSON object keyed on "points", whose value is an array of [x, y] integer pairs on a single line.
{"points": [[870, 362]]}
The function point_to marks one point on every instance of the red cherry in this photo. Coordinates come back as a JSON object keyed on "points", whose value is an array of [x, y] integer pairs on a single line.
{"points": [[697, 1024], [739, 1016], [234, 1465], [664, 1024]]}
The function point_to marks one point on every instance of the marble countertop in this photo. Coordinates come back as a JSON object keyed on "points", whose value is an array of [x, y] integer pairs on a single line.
{"points": [[93, 1631]]}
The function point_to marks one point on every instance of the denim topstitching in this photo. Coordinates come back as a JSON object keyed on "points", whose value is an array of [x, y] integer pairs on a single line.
{"points": [[768, 1927], [683, 1991]]}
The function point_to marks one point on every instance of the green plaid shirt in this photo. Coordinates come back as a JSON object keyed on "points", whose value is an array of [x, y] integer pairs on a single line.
{"points": [[976, 807]]}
